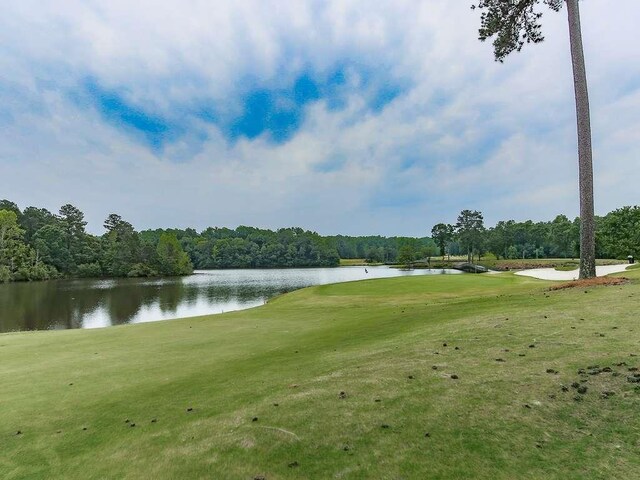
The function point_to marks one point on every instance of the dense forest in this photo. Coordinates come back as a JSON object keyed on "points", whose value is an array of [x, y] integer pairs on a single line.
{"points": [[36, 244], [248, 247]]}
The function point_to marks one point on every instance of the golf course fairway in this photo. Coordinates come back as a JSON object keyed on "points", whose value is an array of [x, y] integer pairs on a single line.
{"points": [[425, 377]]}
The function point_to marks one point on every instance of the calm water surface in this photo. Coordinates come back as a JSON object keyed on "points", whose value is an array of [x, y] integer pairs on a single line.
{"points": [[102, 303]]}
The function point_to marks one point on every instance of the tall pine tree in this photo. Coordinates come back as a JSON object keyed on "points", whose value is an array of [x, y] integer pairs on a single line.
{"points": [[516, 22]]}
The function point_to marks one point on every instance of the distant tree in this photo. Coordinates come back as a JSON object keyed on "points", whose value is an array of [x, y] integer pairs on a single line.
{"points": [[10, 244], [237, 253], [406, 254], [73, 223], [18, 261], [10, 231], [470, 230], [374, 254], [33, 219], [50, 242], [12, 207], [500, 238], [619, 233], [172, 259], [346, 247], [442, 234], [561, 232], [409, 250], [428, 251], [514, 23], [112, 222], [454, 247], [122, 248]]}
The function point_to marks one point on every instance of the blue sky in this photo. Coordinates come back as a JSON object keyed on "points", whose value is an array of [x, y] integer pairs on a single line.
{"points": [[337, 116]]}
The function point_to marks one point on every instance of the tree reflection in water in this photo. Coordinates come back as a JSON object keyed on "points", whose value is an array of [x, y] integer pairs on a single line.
{"points": [[84, 303]]}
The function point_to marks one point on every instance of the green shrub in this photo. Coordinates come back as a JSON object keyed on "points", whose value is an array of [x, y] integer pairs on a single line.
{"points": [[89, 270], [142, 270]]}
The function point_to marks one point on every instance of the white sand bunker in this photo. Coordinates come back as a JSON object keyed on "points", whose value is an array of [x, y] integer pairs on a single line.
{"points": [[553, 274]]}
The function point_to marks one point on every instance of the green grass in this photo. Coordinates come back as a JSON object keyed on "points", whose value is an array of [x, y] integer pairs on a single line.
{"points": [[351, 262], [499, 420], [357, 262]]}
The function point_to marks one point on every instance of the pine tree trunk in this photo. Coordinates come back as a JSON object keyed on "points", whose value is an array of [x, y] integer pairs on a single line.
{"points": [[585, 165]]}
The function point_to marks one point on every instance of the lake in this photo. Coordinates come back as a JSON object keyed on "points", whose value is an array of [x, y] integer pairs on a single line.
{"points": [[94, 303]]}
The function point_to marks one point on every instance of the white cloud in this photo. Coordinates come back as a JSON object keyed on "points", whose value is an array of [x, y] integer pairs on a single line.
{"points": [[465, 132]]}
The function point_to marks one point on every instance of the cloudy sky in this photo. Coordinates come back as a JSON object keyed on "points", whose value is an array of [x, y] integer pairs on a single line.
{"points": [[343, 116]]}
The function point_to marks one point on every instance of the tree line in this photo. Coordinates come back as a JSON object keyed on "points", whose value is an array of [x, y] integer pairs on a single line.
{"points": [[36, 244], [617, 236], [378, 249], [250, 247]]}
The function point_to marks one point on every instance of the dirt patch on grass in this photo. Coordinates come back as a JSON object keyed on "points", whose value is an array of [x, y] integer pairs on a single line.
{"points": [[592, 282]]}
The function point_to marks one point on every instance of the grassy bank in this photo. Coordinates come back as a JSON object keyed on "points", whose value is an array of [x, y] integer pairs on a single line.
{"points": [[356, 262], [412, 377]]}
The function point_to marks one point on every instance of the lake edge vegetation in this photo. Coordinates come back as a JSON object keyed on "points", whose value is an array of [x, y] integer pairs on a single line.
{"points": [[36, 244]]}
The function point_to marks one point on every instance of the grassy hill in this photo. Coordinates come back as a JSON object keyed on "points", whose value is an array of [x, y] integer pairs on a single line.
{"points": [[431, 377]]}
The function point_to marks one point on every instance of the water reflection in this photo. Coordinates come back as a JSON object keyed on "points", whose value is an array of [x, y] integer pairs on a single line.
{"points": [[101, 303]]}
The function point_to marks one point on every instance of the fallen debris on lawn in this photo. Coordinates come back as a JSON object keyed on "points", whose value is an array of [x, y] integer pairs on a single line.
{"points": [[591, 282]]}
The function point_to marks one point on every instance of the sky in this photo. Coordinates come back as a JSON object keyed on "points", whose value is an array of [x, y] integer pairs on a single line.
{"points": [[339, 116]]}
